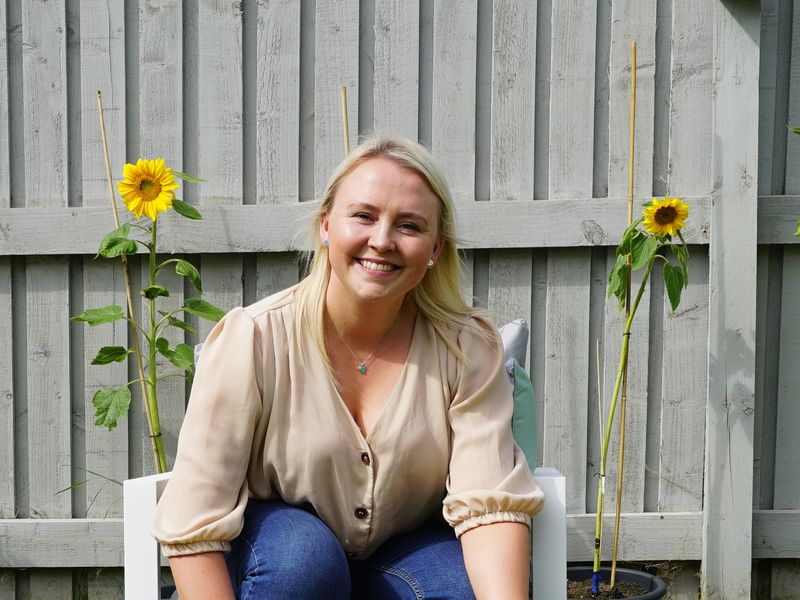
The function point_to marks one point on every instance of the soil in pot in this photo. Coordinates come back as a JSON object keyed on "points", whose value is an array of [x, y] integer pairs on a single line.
{"points": [[630, 584]]}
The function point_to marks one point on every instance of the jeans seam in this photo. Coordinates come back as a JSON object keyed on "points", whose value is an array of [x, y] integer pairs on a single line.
{"points": [[406, 577], [258, 567]]}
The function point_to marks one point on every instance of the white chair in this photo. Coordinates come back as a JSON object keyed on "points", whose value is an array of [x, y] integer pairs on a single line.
{"points": [[143, 561]]}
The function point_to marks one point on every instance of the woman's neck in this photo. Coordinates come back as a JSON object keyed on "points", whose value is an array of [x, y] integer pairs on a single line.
{"points": [[363, 324]]}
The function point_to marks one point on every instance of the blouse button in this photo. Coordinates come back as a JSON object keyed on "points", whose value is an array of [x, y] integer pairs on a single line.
{"points": [[365, 458], [361, 513]]}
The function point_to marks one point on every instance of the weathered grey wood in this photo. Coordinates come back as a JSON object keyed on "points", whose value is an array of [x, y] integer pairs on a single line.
{"points": [[767, 92], [336, 65], [160, 86], [792, 178], [572, 98], [50, 583], [690, 98], [277, 228], [277, 99], [5, 171], [7, 583], [683, 372], [510, 285], [776, 534], [566, 370], [787, 445], [538, 330], [7, 503], [732, 304], [275, 272], [631, 20], [396, 86], [105, 584], [222, 286], [636, 414], [785, 575], [777, 219], [453, 109]]}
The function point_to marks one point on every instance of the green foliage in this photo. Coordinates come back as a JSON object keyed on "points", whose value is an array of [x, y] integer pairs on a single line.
{"points": [[182, 356], [186, 209], [98, 316], [173, 322], [117, 243], [203, 309], [187, 177], [109, 354], [111, 404], [154, 291], [187, 269]]}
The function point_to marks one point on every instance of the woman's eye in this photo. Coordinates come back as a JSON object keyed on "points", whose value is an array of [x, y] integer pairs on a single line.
{"points": [[362, 216], [409, 226]]}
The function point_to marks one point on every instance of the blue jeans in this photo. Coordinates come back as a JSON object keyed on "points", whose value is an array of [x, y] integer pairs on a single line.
{"points": [[285, 552]]}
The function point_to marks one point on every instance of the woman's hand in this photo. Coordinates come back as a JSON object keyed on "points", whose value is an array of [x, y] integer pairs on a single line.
{"points": [[497, 558], [201, 576]]}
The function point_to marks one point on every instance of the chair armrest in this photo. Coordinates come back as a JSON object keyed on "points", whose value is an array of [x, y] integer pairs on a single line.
{"points": [[549, 538], [141, 552]]}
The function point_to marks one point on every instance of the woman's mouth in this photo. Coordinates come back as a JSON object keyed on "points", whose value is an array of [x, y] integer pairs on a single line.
{"points": [[376, 266]]}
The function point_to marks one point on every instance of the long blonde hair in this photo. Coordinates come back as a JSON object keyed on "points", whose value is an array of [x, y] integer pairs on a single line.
{"points": [[438, 296]]}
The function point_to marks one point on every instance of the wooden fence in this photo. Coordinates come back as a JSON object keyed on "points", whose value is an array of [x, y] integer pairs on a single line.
{"points": [[525, 104]]}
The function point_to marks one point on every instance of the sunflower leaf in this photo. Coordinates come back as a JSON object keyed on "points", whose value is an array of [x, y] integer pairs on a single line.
{"points": [[185, 209], [618, 278], [108, 354], [673, 281], [117, 243], [187, 269], [628, 235], [183, 357], [793, 129], [154, 291], [187, 177], [98, 316], [201, 308], [797, 231], [173, 322], [111, 404], [162, 345], [642, 249]]}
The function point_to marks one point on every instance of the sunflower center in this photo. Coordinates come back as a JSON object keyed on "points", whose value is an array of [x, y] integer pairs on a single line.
{"points": [[665, 215], [149, 189]]}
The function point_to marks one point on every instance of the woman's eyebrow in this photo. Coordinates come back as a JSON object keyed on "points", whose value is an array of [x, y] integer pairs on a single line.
{"points": [[403, 215]]}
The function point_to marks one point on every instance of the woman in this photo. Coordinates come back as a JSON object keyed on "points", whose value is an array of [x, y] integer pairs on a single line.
{"points": [[331, 423]]}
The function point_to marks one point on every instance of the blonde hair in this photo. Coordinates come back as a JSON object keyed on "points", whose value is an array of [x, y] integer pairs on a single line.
{"points": [[438, 296]]}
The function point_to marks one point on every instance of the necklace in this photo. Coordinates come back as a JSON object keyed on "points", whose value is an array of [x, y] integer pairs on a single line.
{"points": [[362, 364]]}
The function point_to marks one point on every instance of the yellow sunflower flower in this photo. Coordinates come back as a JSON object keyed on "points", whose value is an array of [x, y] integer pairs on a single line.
{"points": [[147, 187], [665, 217]]}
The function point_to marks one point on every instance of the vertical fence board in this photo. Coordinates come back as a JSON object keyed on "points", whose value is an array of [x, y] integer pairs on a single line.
{"points": [[568, 271], [222, 285], [47, 280], [793, 140], [336, 65], [396, 104], [277, 100], [768, 75], [683, 378], [453, 108], [7, 500], [275, 272], [727, 514], [5, 171]]}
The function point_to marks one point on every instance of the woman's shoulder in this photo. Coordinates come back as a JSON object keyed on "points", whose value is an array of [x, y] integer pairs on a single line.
{"points": [[276, 302]]}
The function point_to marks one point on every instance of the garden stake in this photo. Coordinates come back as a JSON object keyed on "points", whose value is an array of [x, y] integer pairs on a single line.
{"points": [[345, 129], [624, 399], [159, 457]]}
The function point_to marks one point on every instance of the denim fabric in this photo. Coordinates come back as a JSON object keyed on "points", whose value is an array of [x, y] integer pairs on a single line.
{"points": [[285, 552]]}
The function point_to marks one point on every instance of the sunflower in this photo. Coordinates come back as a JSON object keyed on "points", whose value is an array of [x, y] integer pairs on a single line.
{"points": [[147, 187], [665, 217]]}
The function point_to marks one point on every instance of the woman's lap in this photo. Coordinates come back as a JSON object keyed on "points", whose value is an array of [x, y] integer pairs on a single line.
{"points": [[286, 552]]}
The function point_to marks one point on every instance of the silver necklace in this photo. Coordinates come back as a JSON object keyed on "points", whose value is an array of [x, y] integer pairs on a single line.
{"points": [[362, 364]]}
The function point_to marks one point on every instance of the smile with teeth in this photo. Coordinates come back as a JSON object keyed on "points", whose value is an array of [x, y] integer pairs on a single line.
{"points": [[374, 266]]}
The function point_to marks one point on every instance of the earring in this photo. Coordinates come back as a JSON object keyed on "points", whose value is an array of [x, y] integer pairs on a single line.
{"points": [[325, 242], [430, 263]]}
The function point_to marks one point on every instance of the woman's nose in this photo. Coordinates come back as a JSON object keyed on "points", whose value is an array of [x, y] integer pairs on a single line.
{"points": [[382, 238]]}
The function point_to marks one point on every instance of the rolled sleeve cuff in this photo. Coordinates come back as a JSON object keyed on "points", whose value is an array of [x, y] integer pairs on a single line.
{"points": [[170, 550], [493, 517]]}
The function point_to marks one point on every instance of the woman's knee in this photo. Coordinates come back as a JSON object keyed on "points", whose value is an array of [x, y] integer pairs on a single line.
{"points": [[286, 552]]}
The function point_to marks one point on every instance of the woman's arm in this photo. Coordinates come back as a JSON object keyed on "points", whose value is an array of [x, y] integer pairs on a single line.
{"points": [[497, 558], [201, 576]]}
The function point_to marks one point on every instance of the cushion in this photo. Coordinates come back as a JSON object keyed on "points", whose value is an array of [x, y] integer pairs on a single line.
{"points": [[515, 346]]}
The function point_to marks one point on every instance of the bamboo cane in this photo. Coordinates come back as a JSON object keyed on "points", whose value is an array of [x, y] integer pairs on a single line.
{"points": [[155, 437], [624, 395], [345, 129]]}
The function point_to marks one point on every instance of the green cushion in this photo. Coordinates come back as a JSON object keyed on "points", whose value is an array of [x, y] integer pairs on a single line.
{"points": [[524, 421]]}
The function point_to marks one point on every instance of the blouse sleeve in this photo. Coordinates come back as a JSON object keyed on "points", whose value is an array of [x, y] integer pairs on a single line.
{"points": [[202, 507], [489, 480]]}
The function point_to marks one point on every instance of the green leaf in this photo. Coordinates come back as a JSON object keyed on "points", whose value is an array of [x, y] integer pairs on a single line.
{"points": [[630, 232], [187, 269], [182, 356], [618, 278], [185, 209], [117, 243], [154, 291], [201, 308], [173, 322], [187, 177], [642, 249], [109, 354], [162, 345], [98, 316], [794, 129], [797, 231], [673, 281], [111, 404]]}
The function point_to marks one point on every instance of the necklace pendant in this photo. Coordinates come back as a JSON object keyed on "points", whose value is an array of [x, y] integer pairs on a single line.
{"points": [[362, 368]]}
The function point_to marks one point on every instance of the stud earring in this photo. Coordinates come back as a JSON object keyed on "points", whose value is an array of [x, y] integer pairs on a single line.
{"points": [[326, 243], [430, 263]]}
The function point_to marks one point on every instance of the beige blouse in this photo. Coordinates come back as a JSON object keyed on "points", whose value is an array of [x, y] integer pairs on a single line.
{"points": [[262, 424]]}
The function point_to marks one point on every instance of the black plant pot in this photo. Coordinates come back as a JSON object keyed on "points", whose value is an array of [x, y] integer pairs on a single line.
{"points": [[655, 586]]}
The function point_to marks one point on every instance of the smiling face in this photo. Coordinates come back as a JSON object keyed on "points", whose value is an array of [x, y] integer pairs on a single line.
{"points": [[382, 230]]}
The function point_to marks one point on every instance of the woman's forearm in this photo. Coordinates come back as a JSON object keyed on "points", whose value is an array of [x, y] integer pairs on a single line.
{"points": [[201, 576], [497, 559]]}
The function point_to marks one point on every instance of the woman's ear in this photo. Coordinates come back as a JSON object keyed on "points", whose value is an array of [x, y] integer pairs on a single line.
{"points": [[437, 249], [323, 226]]}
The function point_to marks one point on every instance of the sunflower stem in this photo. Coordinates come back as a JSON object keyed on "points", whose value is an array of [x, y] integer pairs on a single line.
{"points": [[152, 398]]}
